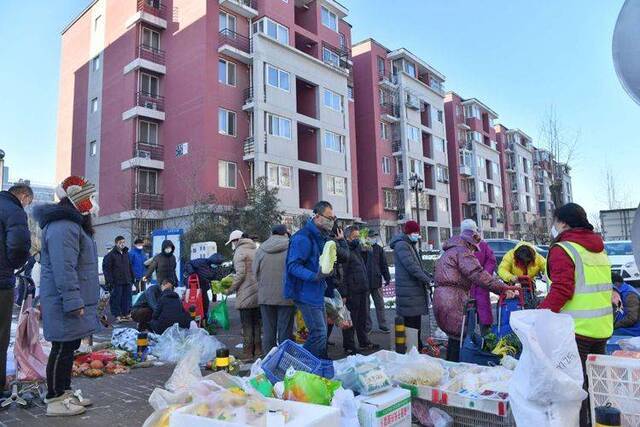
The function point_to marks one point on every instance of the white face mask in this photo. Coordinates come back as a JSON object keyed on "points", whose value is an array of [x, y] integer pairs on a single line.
{"points": [[167, 251], [234, 245], [139, 247], [554, 231]]}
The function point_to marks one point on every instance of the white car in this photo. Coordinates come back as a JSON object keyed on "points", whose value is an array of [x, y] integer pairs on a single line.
{"points": [[620, 253], [630, 274]]}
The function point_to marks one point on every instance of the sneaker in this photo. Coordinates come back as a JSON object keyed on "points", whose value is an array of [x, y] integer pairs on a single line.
{"points": [[385, 330], [77, 399], [62, 406]]}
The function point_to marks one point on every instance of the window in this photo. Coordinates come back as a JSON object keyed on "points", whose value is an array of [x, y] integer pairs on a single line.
{"points": [[96, 63], [149, 85], [410, 68], [226, 72], [93, 148], [386, 165], [496, 170], [333, 142], [413, 133], [94, 105], [226, 122], [277, 78], [381, 95], [415, 168], [97, 22], [439, 144], [147, 182], [226, 174], [389, 199], [384, 130], [278, 176], [148, 132], [330, 57], [150, 39], [443, 204], [381, 66], [350, 92], [329, 19], [227, 22], [336, 185], [332, 100], [274, 30], [442, 173], [474, 137], [439, 115], [342, 41], [472, 111], [279, 126]]}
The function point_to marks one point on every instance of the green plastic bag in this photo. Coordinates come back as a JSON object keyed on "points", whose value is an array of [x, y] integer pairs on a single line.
{"points": [[309, 388], [220, 314]]}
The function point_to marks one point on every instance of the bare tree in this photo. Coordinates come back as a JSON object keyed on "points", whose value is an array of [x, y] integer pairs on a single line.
{"points": [[562, 146]]}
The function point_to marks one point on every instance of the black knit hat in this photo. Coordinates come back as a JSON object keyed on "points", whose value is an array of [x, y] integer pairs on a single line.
{"points": [[279, 229], [573, 215]]}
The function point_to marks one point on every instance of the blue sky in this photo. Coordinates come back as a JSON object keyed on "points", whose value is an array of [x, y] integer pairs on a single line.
{"points": [[518, 57]]}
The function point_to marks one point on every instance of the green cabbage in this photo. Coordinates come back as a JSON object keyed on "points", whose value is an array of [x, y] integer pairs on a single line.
{"points": [[328, 257]]}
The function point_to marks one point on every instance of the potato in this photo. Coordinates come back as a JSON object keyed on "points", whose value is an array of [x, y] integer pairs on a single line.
{"points": [[96, 364]]}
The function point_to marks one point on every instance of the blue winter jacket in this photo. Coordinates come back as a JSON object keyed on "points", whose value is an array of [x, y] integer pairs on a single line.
{"points": [[137, 257], [623, 321], [303, 264]]}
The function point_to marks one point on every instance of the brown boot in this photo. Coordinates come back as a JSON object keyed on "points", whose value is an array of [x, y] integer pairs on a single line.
{"points": [[247, 354], [248, 345]]}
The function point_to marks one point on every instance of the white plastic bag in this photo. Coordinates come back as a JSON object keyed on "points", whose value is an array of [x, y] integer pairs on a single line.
{"points": [[186, 373], [175, 342], [345, 401], [546, 386], [632, 344], [439, 418]]}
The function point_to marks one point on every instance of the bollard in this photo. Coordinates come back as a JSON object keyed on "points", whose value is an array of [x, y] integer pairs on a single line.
{"points": [[401, 338], [143, 344], [222, 359]]}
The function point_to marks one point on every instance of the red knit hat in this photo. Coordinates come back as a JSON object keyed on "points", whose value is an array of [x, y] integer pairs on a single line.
{"points": [[80, 192], [411, 227]]}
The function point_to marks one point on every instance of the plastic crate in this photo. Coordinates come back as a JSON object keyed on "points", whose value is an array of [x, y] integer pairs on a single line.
{"points": [[615, 380], [290, 354], [464, 417], [326, 369]]}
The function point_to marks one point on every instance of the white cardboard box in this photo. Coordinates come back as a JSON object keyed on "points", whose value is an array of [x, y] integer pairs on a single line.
{"points": [[386, 409], [302, 414]]}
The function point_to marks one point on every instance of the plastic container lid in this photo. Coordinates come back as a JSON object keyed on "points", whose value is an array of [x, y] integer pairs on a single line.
{"points": [[222, 352], [608, 415]]}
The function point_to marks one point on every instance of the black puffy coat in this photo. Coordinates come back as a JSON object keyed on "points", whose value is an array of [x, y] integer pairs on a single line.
{"points": [[411, 280], [164, 265], [169, 311], [15, 239], [377, 266], [116, 267], [356, 278]]}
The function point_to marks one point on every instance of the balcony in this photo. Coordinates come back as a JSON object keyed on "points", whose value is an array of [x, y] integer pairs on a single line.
{"points": [[343, 55], [153, 7], [509, 147], [148, 58], [248, 98], [399, 180], [246, 8], [465, 170], [387, 79], [152, 12], [147, 201], [396, 147], [148, 105], [235, 45], [145, 155], [249, 147], [390, 111]]}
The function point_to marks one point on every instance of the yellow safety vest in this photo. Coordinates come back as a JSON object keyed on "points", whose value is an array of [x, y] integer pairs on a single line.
{"points": [[590, 305]]}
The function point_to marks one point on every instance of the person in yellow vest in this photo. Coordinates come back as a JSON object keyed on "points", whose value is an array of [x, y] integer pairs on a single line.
{"points": [[580, 275]]}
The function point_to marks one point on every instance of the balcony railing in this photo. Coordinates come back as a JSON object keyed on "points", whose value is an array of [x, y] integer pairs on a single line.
{"points": [[150, 53], [145, 150], [147, 201], [248, 95], [399, 179], [387, 77], [150, 100], [154, 7], [390, 109], [249, 146], [253, 4], [233, 39], [396, 146]]}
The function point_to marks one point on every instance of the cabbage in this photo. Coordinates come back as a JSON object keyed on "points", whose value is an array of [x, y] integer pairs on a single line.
{"points": [[328, 257]]}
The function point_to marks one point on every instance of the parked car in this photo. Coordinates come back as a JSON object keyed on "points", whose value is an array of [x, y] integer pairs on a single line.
{"points": [[630, 274], [620, 253]]}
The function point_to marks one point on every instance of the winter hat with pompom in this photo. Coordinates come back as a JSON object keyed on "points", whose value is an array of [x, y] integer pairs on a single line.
{"points": [[80, 192]]}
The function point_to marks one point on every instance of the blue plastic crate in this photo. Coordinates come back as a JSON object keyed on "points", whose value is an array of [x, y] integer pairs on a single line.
{"points": [[290, 354], [326, 369]]}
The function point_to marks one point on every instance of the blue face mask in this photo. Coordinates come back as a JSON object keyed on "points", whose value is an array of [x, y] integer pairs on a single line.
{"points": [[414, 237]]}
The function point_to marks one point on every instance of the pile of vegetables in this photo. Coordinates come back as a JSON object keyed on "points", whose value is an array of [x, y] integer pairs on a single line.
{"points": [[508, 345], [328, 257], [221, 286], [102, 362], [364, 237]]}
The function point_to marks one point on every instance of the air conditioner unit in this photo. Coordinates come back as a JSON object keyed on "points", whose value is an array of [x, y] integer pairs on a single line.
{"points": [[144, 154], [150, 105], [413, 102]]}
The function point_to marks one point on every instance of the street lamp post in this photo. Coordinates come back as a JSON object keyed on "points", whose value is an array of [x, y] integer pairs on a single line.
{"points": [[416, 184]]}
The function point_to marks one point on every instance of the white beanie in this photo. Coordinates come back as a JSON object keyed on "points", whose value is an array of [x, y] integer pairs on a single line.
{"points": [[469, 224]]}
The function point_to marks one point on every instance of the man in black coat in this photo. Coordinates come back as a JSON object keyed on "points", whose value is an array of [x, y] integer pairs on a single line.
{"points": [[169, 311], [378, 269], [15, 243], [355, 288], [146, 304], [118, 276]]}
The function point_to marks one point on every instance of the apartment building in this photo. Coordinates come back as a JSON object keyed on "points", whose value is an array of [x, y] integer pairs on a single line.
{"points": [[401, 135], [543, 165], [475, 162], [167, 103], [518, 177]]}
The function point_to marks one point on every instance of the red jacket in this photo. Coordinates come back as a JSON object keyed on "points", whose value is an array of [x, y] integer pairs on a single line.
{"points": [[561, 268]]}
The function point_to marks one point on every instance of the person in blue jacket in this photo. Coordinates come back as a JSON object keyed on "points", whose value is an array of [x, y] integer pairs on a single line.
{"points": [[627, 312], [137, 258], [305, 283]]}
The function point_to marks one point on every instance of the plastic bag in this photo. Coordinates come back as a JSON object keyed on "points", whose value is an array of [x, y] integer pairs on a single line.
{"points": [[262, 385], [160, 418], [329, 257], [161, 398], [420, 369], [175, 342], [337, 312], [546, 387], [186, 373], [362, 374], [219, 314], [439, 418], [345, 401], [309, 388], [632, 344], [126, 339]]}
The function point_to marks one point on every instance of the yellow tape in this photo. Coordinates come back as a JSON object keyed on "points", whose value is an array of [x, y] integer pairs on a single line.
{"points": [[222, 362], [400, 328], [401, 340]]}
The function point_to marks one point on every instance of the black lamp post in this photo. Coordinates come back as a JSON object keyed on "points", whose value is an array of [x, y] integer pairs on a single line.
{"points": [[416, 184]]}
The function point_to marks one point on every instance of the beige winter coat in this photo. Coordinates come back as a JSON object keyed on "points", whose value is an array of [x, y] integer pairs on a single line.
{"points": [[244, 282]]}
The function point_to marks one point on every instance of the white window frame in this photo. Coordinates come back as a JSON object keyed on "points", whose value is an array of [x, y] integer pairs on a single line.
{"points": [[228, 17], [94, 105], [330, 57], [388, 199], [413, 133], [384, 130], [334, 102], [227, 114], [386, 165], [281, 76], [329, 19], [415, 163], [334, 189], [149, 174], [440, 115], [350, 93], [275, 175], [151, 78], [149, 125], [224, 174], [408, 65], [96, 22], [274, 130], [333, 141], [281, 31], [153, 35], [95, 63], [439, 144], [442, 173], [93, 148], [227, 66]]}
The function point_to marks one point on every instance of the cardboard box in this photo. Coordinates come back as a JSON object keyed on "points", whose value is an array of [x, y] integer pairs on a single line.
{"points": [[389, 408]]}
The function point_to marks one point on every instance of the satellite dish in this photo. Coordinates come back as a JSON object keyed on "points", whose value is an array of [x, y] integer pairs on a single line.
{"points": [[626, 48]]}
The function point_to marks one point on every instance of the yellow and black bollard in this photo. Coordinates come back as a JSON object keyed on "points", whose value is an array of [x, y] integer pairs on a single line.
{"points": [[401, 337], [143, 344]]}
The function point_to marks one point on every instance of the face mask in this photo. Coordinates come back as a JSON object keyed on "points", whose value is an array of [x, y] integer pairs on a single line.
{"points": [[355, 243], [234, 245], [167, 251], [414, 237], [554, 231], [326, 224], [139, 247]]}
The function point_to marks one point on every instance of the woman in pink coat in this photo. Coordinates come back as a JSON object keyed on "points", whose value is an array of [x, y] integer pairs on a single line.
{"points": [[456, 271]]}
